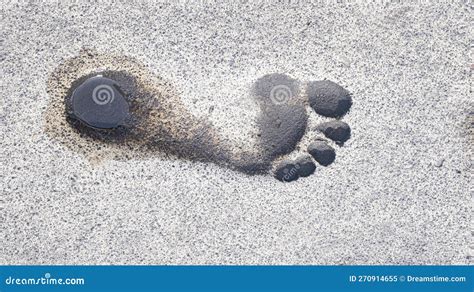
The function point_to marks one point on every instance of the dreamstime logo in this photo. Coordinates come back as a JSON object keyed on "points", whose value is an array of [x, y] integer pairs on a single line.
{"points": [[289, 173], [44, 280], [280, 94], [103, 94]]}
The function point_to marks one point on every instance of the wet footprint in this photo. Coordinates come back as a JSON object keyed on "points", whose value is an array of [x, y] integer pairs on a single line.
{"points": [[113, 107], [330, 100]]}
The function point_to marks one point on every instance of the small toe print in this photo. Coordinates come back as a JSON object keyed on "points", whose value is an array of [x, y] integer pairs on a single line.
{"points": [[337, 131], [287, 171], [322, 152], [305, 166], [328, 98]]}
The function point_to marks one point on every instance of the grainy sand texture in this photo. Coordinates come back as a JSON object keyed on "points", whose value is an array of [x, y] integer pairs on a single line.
{"points": [[398, 192]]}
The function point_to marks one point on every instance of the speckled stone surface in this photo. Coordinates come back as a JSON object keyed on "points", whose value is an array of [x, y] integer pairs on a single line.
{"points": [[385, 200]]}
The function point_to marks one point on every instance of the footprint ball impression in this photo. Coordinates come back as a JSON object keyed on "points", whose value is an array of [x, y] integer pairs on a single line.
{"points": [[99, 103], [280, 94]]}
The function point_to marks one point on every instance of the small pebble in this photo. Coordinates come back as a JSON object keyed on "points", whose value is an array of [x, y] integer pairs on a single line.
{"points": [[439, 162]]}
